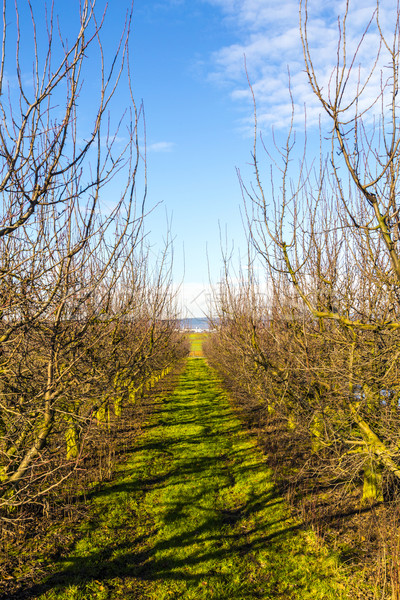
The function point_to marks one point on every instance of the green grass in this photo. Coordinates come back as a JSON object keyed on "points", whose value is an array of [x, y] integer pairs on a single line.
{"points": [[196, 343], [194, 515]]}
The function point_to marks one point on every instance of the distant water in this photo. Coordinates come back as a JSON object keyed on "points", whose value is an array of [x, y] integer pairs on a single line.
{"points": [[194, 323]]}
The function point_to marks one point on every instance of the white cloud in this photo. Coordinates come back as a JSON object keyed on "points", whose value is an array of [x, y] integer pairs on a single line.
{"points": [[256, 14], [268, 35], [161, 147]]}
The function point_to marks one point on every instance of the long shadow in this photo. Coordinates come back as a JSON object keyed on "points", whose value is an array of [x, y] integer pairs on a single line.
{"points": [[142, 564], [136, 558], [199, 467]]}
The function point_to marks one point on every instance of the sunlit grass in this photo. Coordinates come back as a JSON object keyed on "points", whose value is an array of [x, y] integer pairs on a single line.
{"points": [[194, 515], [196, 343]]}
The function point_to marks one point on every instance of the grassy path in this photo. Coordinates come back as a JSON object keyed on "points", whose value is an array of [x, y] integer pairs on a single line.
{"points": [[194, 515]]}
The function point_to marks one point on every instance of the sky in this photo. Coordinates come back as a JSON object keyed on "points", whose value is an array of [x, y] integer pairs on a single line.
{"points": [[188, 68]]}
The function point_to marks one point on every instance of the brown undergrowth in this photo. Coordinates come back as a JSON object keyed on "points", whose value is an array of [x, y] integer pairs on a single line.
{"points": [[364, 536]]}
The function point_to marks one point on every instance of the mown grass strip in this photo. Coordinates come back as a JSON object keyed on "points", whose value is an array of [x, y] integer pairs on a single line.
{"points": [[194, 515]]}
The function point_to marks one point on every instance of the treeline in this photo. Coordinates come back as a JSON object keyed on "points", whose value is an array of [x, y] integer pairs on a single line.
{"points": [[86, 319], [311, 327]]}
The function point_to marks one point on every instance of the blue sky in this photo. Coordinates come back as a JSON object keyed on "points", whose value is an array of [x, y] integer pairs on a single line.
{"points": [[187, 60], [194, 135]]}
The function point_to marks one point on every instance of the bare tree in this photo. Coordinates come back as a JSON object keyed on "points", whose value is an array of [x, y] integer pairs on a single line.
{"points": [[335, 238], [80, 329]]}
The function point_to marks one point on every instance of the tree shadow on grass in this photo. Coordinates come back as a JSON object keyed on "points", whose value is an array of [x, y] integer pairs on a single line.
{"points": [[220, 533], [136, 557], [131, 559]]}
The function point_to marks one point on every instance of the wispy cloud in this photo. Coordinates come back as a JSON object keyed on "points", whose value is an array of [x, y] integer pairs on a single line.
{"points": [[268, 36], [161, 147]]}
